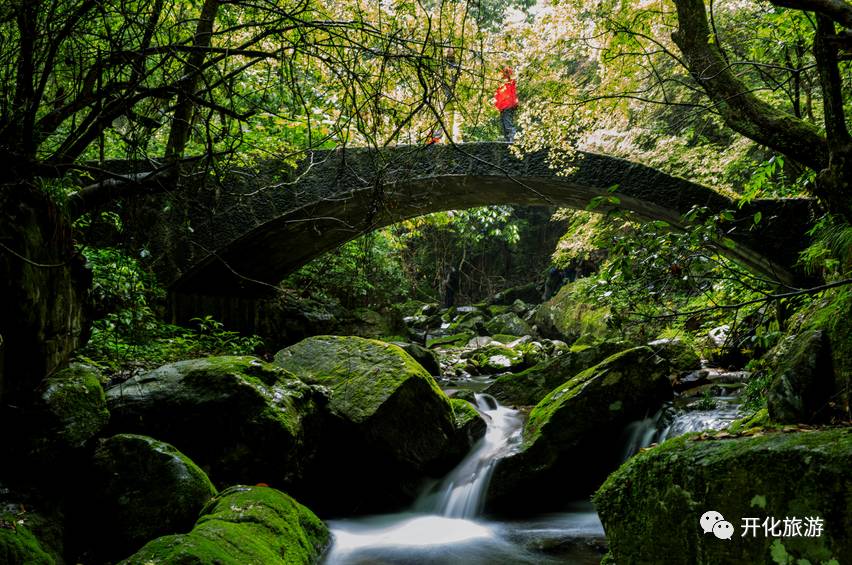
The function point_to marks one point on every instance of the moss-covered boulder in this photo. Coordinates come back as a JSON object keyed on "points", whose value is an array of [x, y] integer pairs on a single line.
{"points": [[802, 387], [574, 430], [243, 525], [18, 544], [241, 419], [570, 315], [495, 358], [531, 385], [468, 423], [141, 489], [680, 353], [392, 424], [651, 506], [508, 323], [456, 339], [71, 408]]}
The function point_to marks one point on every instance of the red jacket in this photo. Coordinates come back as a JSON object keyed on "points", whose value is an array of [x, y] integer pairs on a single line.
{"points": [[506, 96]]}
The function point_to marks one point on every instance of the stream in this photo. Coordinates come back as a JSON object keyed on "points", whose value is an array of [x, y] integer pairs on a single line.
{"points": [[445, 525]]}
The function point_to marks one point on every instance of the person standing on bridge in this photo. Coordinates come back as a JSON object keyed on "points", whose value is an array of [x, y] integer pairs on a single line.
{"points": [[506, 101]]}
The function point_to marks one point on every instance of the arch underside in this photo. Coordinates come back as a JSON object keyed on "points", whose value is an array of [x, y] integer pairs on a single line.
{"points": [[252, 263]]}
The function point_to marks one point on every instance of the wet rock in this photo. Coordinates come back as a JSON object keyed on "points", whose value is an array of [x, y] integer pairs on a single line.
{"points": [[469, 425], [650, 507], [568, 316], [803, 385], [691, 379], [679, 353], [427, 358], [70, 409], [391, 424], [243, 525], [495, 358], [531, 385], [456, 339], [238, 417], [508, 323], [580, 421], [141, 489]]}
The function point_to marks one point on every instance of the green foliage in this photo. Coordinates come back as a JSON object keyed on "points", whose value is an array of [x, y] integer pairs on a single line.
{"points": [[364, 272], [830, 253], [128, 333]]}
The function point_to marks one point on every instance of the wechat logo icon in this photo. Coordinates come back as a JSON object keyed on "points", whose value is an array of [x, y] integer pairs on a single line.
{"points": [[712, 521]]}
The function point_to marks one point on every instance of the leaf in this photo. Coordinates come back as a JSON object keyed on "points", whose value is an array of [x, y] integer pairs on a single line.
{"points": [[757, 217]]}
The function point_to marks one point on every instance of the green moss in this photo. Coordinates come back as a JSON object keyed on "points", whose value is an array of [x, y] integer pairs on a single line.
{"points": [[243, 525], [453, 339], [19, 545], [463, 412], [76, 403], [531, 385], [833, 314], [759, 419], [144, 488], [570, 315], [361, 373], [651, 505], [504, 338], [608, 375]]}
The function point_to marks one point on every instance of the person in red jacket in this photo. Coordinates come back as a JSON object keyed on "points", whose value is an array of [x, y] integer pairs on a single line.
{"points": [[506, 100]]}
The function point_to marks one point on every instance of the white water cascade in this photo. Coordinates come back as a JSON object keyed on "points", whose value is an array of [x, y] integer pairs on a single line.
{"points": [[445, 527], [462, 493]]}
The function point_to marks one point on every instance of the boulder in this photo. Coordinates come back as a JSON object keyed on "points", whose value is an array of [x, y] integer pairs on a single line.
{"points": [[70, 409], [391, 427], [651, 506], [243, 525], [531, 385], [239, 418], [679, 353], [427, 358], [141, 489], [456, 339], [803, 382], [569, 316], [508, 323], [575, 430], [495, 358], [469, 425]]}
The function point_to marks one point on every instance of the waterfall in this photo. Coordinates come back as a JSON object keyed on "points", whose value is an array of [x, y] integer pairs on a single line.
{"points": [[671, 421], [462, 492]]}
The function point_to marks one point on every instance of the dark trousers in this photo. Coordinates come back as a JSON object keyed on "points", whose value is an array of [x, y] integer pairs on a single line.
{"points": [[507, 123]]}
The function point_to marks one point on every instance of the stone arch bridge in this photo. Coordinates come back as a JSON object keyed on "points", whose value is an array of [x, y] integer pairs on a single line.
{"points": [[231, 238]]}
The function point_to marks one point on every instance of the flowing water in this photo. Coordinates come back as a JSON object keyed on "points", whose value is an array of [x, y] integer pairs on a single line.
{"points": [[672, 421], [445, 525]]}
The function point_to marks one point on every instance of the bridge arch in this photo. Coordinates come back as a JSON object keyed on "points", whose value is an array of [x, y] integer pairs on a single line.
{"points": [[239, 237]]}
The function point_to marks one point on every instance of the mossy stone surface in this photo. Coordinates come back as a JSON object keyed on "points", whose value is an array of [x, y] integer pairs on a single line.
{"points": [[469, 425], [531, 385], [238, 417], [18, 544], [380, 388], [456, 339], [141, 489], [569, 316], [508, 323], [243, 526], [803, 384], [650, 507], [680, 353], [73, 406], [574, 431]]}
